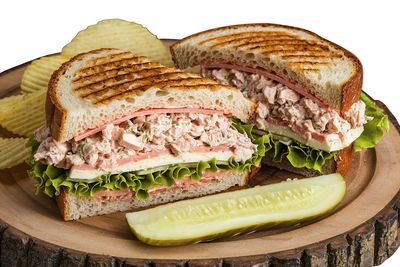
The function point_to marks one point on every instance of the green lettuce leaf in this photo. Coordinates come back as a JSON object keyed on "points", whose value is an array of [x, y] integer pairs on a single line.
{"points": [[50, 179], [373, 129], [299, 155]]}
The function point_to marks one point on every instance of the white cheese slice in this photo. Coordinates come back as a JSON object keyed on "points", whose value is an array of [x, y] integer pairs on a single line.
{"points": [[333, 142], [162, 160]]}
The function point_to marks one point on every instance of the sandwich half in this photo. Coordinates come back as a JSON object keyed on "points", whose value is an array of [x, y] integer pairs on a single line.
{"points": [[307, 90], [124, 133]]}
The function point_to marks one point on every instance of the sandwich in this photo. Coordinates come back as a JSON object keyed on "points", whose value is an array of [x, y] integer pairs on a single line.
{"points": [[307, 91], [124, 133]]}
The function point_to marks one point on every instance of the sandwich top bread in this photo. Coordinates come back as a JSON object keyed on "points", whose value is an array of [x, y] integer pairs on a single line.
{"points": [[124, 133]]}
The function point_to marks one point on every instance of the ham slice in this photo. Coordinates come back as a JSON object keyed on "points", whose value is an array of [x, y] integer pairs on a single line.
{"points": [[148, 112], [112, 195], [185, 183], [267, 73]]}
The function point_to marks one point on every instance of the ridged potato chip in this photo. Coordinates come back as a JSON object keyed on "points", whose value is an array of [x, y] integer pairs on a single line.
{"points": [[117, 33], [7, 102], [38, 73], [13, 151], [24, 114]]}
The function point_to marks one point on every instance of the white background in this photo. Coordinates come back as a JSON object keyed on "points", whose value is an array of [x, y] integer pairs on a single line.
{"points": [[370, 29]]}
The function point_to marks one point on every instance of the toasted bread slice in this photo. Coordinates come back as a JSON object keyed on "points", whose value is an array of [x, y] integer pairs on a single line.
{"points": [[324, 69], [99, 86], [73, 207]]}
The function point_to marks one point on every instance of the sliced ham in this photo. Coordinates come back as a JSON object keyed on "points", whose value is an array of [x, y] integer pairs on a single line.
{"points": [[186, 182], [112, 195]]}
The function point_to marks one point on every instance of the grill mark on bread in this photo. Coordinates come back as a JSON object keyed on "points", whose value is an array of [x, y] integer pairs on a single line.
{"points": [[283, 52], [172, 73], [253, 41], [275, 38], [314, 56], [236, 43], [126, 78], [225, 43], [229, 37], [287, 47], [108, 58], [112, 61], [91, 70], [278, 43], [309, 70], [315, 53], [101, 76], [184, 82], [124, 66], [309, 63], [121, 78], [109, 80], [131, 85]]}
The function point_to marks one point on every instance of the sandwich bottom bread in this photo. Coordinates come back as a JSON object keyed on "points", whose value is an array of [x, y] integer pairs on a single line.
{"points": [[123, 133], [73, 207]]}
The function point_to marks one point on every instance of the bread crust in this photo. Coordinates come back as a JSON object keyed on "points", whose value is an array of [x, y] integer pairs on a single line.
{"points": [[62, 203], [351, 88], [343, 160], [56, 114]]}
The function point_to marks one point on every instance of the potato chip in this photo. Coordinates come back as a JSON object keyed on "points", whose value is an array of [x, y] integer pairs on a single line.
{"points": [[37, 75], [7, 102], [24, 114], [117, 33], [13, 151]]}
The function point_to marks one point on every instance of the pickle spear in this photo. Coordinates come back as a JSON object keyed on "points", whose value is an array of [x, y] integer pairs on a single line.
{"points": [[226, 214]]}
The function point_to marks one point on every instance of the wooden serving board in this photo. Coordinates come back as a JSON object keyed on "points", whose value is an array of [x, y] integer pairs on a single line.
{"points": [[361, 231]]}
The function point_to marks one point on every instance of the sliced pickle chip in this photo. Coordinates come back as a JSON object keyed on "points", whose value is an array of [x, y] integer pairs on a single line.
{"points": [[227, 214]]}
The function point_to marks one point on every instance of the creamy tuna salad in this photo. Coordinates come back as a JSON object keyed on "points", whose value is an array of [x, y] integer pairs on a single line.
{"points": [[281, 105], [146, 136]]}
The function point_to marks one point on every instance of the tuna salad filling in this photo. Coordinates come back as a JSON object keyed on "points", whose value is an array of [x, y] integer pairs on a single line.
{"points": [[280, 105], [167, 135]]}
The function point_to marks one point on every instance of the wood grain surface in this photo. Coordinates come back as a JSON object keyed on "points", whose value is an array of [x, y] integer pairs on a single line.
{"points": [[361, 231]]}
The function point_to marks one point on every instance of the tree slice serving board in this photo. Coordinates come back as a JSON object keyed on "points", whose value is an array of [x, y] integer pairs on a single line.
{"points": [[361, 231]]}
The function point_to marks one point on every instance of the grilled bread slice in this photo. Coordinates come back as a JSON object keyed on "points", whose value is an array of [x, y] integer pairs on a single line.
{"points": [[324, 69], [100, 86]]}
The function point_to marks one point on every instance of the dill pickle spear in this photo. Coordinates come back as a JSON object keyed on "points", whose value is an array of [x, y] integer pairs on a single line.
{"points": [[226, 214]]}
